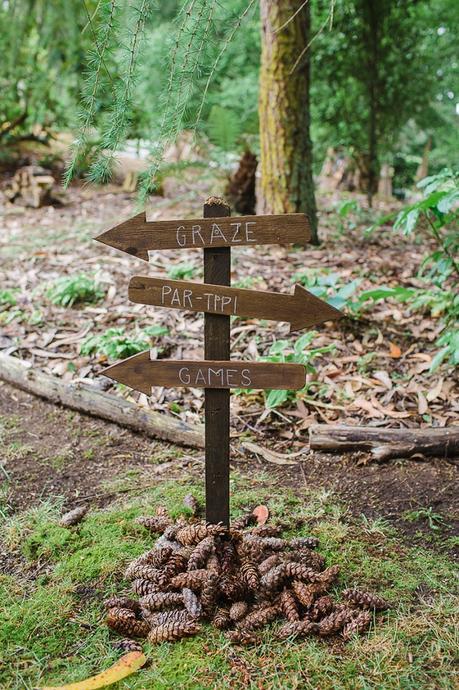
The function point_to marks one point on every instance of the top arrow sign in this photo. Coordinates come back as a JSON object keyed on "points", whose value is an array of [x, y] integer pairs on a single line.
{"points": [[136, 236]]}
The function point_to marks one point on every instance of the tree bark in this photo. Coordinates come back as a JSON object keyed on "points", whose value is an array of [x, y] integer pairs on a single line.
{"points": [[386, 443], [372, 34], [286, 184]]}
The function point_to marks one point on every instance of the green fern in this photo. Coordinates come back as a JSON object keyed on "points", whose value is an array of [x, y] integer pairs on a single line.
{"points": [[223, 127]]}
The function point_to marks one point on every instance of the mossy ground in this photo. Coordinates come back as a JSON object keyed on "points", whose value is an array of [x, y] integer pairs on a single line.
{"points": [[52, 627]]}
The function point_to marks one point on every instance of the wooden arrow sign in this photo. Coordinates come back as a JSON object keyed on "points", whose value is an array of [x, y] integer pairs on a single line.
{"points": [[141, 373], [301, 310], [136, 236]]}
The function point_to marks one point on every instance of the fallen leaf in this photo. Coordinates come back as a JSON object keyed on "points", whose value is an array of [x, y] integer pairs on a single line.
{"points": [[422, 403], [261, 513], [271, 455], [435, 392], [394, 351], [124, 667]]}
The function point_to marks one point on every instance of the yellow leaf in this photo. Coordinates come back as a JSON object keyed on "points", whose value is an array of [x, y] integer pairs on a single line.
{"points": [[124, 667], [394, 352]]}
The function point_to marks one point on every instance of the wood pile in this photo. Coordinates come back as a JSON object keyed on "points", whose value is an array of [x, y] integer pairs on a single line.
{"points": [[239, 579], [31, 186]]}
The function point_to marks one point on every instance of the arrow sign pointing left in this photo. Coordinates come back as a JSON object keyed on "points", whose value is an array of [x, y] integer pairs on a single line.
{"points": [[142, 373], [301, 310]]}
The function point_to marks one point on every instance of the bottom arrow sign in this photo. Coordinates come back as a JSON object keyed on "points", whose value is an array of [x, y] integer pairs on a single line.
{"points": [[142, 373]]}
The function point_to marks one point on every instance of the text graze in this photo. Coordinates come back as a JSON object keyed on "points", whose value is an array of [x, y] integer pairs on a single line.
{"points": [[198, 235]]}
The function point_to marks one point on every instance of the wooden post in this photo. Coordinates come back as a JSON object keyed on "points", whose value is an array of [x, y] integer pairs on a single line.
{"points": [[217, 270]]}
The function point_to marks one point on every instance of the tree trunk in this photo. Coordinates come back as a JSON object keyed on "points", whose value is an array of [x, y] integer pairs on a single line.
{"points": [[286, 184], [372, 21]]}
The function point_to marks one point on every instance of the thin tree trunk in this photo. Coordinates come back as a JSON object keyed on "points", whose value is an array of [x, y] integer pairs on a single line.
{"points": [[286, 184], [371, 15]]}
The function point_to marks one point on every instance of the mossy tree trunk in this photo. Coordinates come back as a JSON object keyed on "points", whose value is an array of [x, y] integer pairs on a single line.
{"points": [[286, 184]]}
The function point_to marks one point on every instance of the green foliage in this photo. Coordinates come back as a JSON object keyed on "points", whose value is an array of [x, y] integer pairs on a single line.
{"points": [[114, 344], [299, 353], [79, 289], [326, 286], [7, 298], [223, 127], [183, 271], [438, 213]]}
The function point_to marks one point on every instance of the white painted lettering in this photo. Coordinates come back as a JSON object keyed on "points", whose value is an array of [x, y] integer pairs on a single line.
{"points": [[225, 301], [216, 233], [200, 379], [184, 375], [196, 230], [181, 236], [218, 373], [175, 298], [236, 232], [229, 378], [248, 231], [187, 303], [246, 380], [165, 290]]}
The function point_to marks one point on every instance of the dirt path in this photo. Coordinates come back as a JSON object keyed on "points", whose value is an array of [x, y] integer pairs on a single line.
{"points": [[49, 451]]}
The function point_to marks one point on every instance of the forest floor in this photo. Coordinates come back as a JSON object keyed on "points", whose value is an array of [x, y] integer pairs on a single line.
{"points": [[393, 526]]}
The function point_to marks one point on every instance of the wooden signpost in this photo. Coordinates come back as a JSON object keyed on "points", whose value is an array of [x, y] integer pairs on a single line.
{"points": [[216, 233]]}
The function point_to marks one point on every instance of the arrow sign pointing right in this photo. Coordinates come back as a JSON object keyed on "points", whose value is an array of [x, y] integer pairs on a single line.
{"points": [[301, 310]]}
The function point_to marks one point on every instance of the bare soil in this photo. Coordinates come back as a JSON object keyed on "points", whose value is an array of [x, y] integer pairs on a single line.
{"points": [[49, 451]]}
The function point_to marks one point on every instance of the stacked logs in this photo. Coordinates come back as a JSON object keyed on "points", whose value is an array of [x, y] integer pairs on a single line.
{"points": [[239, 579]]}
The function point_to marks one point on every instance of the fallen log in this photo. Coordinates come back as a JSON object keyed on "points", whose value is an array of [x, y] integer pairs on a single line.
{"points": [[386, 443], [90, 400]]}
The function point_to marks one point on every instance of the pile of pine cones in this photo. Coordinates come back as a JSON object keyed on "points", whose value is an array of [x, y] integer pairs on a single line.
{"points": [[240, 579]]}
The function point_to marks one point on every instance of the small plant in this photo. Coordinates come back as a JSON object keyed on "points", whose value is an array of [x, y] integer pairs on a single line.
{"points": [[434, 520], [181, 272], [7, 298], [65, 292], [115, 344], [299, 352], [326, 286]]}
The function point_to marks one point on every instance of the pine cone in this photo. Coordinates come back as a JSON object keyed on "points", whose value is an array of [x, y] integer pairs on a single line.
{"points": [[156, 557], [358, 624], [166, 617], [288, 605], [243, 521], [221, 619], [305, 594], [243, 637], [310, 559], [156, 524], [127, 646], [144, 587], [365, 600], [232, 587], [125, 623], [192, 579], [249, 574], [192, 503], [266, 531], [193, 534], [162, 511], [201, 553], [209, 593], [177, 563], [269, 563], [213, 564], [142, 572], [275, 577], [238, 610], [273, 543], [228, 557], [164, 543], [322, 607], [192, 603], [304, 543], [335, 622], [259, 618], [296, 629], [123, 603], [328, 576], [299, 572], [169, 632], [161, 600]]}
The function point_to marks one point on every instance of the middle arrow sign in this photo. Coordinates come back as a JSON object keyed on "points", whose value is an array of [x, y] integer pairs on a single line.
{"points": [[301, 310]]}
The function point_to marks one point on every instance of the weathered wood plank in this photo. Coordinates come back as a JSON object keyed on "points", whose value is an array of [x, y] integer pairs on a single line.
{"points": [[136, 236], [88, 399], [385, 443], [301, 310], [142, 373], [217, 331]]}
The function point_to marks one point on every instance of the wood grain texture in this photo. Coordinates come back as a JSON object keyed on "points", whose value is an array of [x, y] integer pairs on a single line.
{"points": [[301, 310], [88, 399], [386, 443], [217, 332], [136, 236], [142, 373]]}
